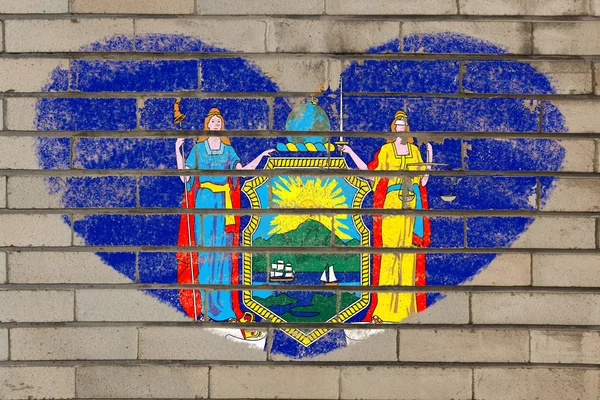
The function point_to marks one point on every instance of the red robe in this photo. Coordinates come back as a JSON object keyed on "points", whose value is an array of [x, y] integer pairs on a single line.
{"points": [[420, 274], [184, 275]]}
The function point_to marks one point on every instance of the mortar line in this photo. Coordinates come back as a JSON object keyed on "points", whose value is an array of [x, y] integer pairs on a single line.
{"points": [[472, 377], [310, 17], [190, 94], [130, 55], [470, 305], [6, 205], [594, 83], [596, 161], [310, 364], [72, 141], [299, 288], [531, 283], [461, 70], [325, 7], [75, 386], [195, 9], [4, 114], [401, 36], [269, 345], [134, 38], [137, 192], [70, 6], [531, 36], [266, 33], [398, 345], [208, 372], [299, 172], [6, 260], [9, 344], [596, 233], [300, 250], [3, 35], [541, 117], [538, 194], [529, 345], [75, 305], [137, 267], [324, 325], [273, 134], [340, 396], [138, 343]]}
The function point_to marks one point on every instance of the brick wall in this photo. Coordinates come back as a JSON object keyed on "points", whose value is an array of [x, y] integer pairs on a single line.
{"points": [[90, 197]]}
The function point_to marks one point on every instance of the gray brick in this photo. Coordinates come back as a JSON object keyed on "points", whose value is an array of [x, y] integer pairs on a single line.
{"points": [[536, 308], [197, 343], [558, 232], [41, 35], [505, 270], [66, 343], [21, 115], [464, 345], [36, 306], [529, 7], [28, 74], [453, 308], [565, 347], [18, 153], [235, 35], [405, 383], [562, 198], [257, 382], [541, 383], [579, 155], [361, 345], [31, 192], [581, 116], [51, 267], [328, 36], [512, 36], [145, 381], [261, 7], [123, 305], [577, 270], [566, 38], [391, 7], [34, 6], [133, 6], [34, 230], [3, 344], [25, 383], [296, 74]]}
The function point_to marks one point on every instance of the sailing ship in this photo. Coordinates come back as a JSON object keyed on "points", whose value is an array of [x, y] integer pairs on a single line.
{"points": [[282, 272], [328, 276]]}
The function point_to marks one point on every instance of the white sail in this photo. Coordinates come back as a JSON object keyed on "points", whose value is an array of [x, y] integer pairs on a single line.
{"points": [[324, 276], [332, 277], [278, 274]]}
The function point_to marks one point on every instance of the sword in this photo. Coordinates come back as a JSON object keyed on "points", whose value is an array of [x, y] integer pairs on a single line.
{"points": [[178, 118], [341, 142]]}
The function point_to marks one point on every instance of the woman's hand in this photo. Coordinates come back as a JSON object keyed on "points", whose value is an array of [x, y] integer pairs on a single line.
{"points": [[345, 149], [429, 153], [267, 153]]}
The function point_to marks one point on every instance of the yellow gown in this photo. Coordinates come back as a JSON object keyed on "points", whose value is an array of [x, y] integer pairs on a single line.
{"points": [[397, 231]]}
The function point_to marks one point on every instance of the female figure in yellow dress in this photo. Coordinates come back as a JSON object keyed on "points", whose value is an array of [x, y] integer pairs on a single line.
{"points": [[405, 269]]}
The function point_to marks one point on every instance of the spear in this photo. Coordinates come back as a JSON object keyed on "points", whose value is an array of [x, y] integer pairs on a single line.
{"points": [[178, 118]]}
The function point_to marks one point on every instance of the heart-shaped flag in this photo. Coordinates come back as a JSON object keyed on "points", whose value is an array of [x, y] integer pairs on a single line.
{"points": [[429, 92]]}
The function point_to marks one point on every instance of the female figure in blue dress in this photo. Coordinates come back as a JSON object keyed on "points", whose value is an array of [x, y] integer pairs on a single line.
{"points": [[210, 153]]}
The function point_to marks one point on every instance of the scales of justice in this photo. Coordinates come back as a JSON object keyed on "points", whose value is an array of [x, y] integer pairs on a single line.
{"points": [[289, 229]]}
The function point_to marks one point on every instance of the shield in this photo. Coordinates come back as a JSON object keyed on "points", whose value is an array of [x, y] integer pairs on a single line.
{"points": [[289, 230]]}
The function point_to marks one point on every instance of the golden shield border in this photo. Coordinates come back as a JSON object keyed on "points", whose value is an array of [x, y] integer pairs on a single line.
{"points": [[249, 189]]}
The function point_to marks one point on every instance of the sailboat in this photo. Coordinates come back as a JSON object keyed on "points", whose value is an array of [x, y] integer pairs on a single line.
{"points": [[281, 272], [328, 276]]}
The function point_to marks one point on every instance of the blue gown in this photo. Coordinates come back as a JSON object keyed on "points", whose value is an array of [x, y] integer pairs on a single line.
{"points": [[213, 268]]}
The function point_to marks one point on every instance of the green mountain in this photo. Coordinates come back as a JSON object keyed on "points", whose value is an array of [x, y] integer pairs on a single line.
{"points": [[310, 233]]}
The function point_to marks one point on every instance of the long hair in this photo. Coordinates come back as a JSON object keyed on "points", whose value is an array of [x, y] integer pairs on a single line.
{"points": [[400, 115], [214, 112]]}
